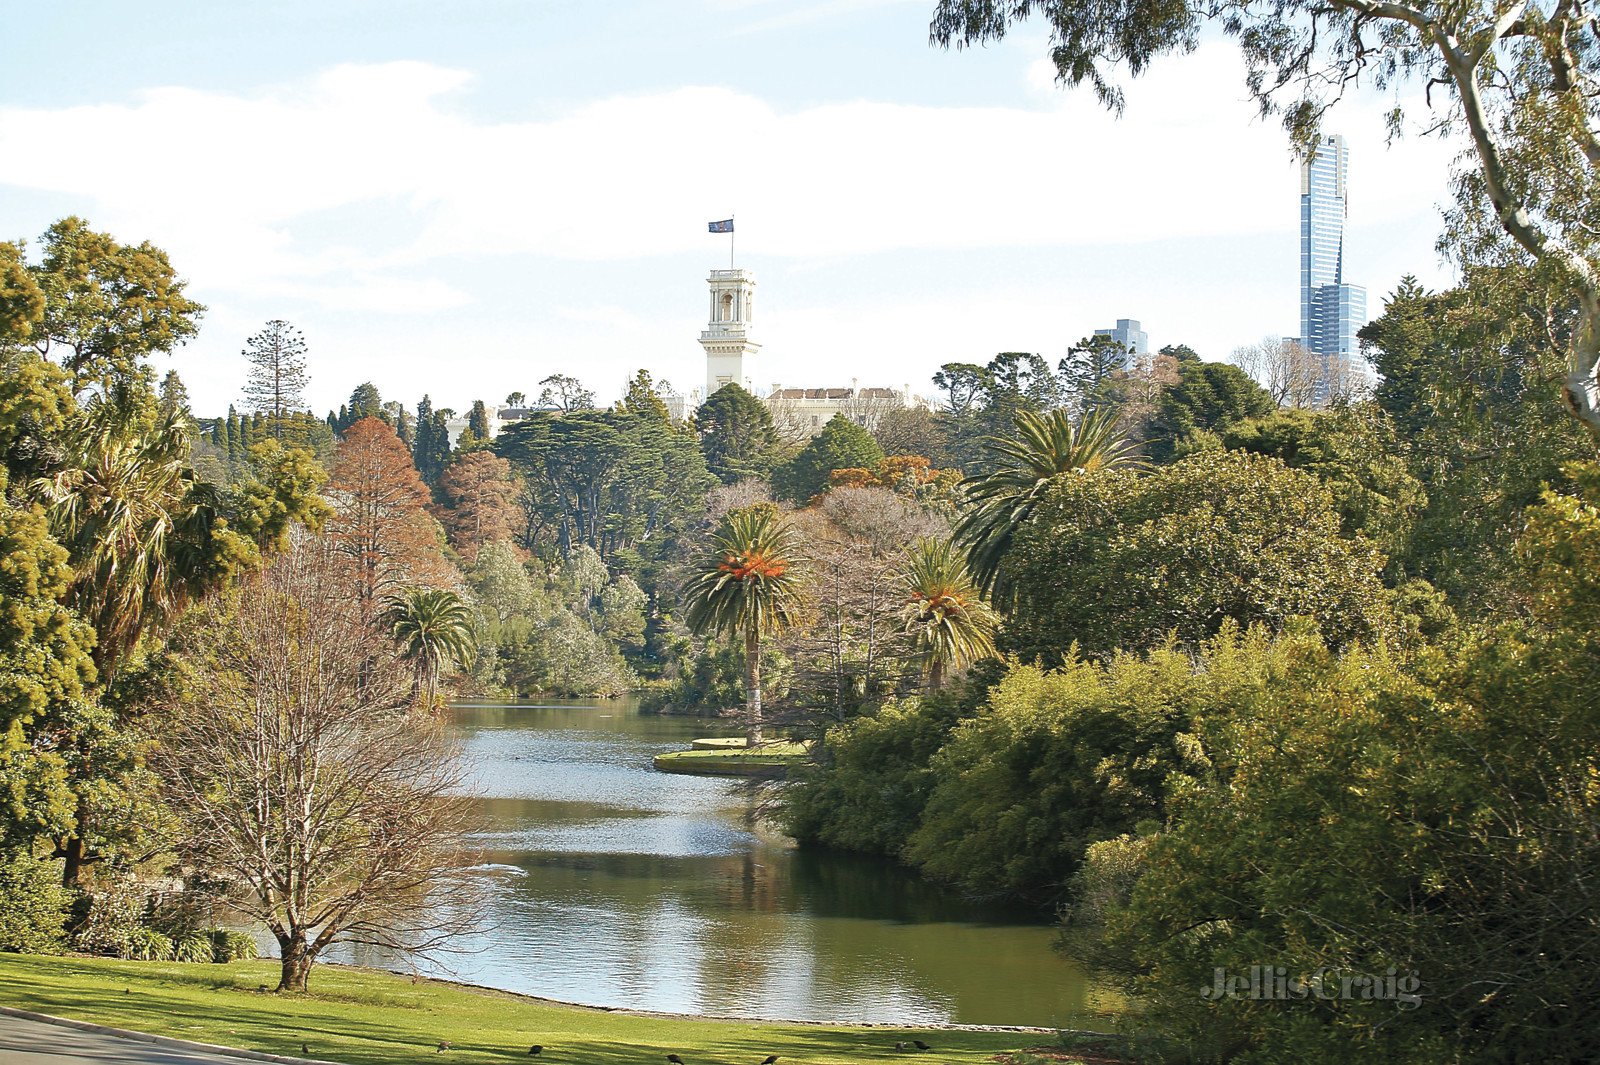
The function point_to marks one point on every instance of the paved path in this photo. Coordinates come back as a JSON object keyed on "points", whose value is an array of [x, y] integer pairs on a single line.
{"points": [[25, 1042]]}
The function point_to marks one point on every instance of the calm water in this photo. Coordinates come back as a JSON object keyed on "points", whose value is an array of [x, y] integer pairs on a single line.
{"points": [[611, 884]]}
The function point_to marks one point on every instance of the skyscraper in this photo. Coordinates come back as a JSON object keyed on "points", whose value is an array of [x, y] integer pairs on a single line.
{"points": [[1128, 333], [1330, 311]]}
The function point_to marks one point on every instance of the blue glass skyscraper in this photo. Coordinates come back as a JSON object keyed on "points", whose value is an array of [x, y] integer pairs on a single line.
{"points": [[1330, 311]]}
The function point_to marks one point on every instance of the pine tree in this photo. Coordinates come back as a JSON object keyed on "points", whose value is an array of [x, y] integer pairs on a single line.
{"points": [[277, 381], [175, 396]]}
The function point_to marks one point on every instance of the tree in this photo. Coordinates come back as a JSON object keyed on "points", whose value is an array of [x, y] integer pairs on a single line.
{"points": [[107, 305], [21, 300], [912, 431], [431, 449], [643, 397], [1088, 367], [516, 399], [841, 445], [142, 531], [854, 650], [175, 397], [478, 422], [480, 501], [565, 394], [45, 658], [1208, 397], [294, 772], [1520, 79], [1122, 562], [1466, 376], [1356, 452], [380, 521], [277, 378], [1289, 371], [1042, 449], [432, 627], [747, 588], [611, 480], [736, 434], [951, 624]]}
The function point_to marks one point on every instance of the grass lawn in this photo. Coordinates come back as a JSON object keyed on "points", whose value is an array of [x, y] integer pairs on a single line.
{"points": [[731, 758], [361, 1016]]}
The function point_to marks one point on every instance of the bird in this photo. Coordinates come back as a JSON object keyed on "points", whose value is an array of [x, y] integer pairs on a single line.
{"points": [[443, 1046], [920, 1045], [535, 1050], [675, 1059], [770, 1059], [901, 1046], [305, 1048]]}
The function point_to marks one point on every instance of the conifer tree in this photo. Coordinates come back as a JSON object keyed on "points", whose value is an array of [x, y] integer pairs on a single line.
{"points": [[277, 382]]}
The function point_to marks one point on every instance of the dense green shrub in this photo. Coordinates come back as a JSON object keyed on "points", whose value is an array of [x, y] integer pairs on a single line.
{"points": [[872, 776], [1062, 759], [196, 946], [33, 904], [1437, 826], [146, 944], [1118, 561], [230, 945]]}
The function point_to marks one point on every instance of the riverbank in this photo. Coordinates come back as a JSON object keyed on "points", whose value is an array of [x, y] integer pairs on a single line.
{"points": [[369, 1017]]}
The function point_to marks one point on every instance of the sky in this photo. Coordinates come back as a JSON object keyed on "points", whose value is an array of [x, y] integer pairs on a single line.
{"points": [[462, 199]]}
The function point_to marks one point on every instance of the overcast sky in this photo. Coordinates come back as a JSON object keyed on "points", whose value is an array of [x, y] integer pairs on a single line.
{"points": [[462, 198]]}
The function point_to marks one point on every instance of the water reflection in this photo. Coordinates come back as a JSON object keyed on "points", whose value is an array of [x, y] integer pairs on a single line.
{"points": [[612, 884]]}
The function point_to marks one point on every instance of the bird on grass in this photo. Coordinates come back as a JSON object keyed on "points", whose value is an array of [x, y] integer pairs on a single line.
{"points": [[770, 1059], [442, 1048], [535, 1050], [675, 1059], [920, 1045], [305, 1048]]}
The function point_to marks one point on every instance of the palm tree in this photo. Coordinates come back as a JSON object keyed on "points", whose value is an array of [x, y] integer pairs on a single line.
{"points": [[432, 625], [747, 588], [1045, 447], [951, 626], [137, 524]]}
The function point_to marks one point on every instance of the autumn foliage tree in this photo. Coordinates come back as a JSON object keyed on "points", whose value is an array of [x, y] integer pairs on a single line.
{"points": [[480, 492], [380, 521]]}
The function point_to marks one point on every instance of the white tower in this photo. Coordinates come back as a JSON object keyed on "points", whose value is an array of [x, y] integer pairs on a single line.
{"points": [[727, 336]]}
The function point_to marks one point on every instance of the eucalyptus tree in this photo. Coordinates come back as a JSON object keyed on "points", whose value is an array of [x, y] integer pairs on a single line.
{"points": [[747, 587], [1045, 447], [1521, 78]]}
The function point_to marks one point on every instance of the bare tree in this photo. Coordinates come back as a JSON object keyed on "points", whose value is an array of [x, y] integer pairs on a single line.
{"points": [[855, 649], [1286, 368], [867, 407], [793, 424], [277, 382], [299, 779]]}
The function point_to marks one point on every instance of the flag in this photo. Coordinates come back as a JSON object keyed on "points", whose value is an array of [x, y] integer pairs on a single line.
{"points": [[724, 226]]}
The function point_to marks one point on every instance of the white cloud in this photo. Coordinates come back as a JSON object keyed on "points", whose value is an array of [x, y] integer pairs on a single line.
{"points": [[373, 188]]}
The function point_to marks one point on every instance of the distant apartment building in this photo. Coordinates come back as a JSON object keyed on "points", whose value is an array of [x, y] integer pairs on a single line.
{"points": [[1128, 333], [1331, 311]]}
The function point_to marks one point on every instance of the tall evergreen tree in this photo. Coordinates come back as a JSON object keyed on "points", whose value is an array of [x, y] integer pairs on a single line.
{"points": [[736, 434], [175, 396], [277, 381]]}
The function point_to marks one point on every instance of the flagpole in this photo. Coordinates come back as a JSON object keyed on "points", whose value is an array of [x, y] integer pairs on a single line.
{"points": [[731, 228]]}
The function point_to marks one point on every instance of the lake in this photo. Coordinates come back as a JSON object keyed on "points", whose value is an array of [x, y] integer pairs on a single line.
{"points": [[611, 884]]}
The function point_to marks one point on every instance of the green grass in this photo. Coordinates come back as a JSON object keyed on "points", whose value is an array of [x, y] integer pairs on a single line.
{"points": [[365, 1017], [730, 758]]}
